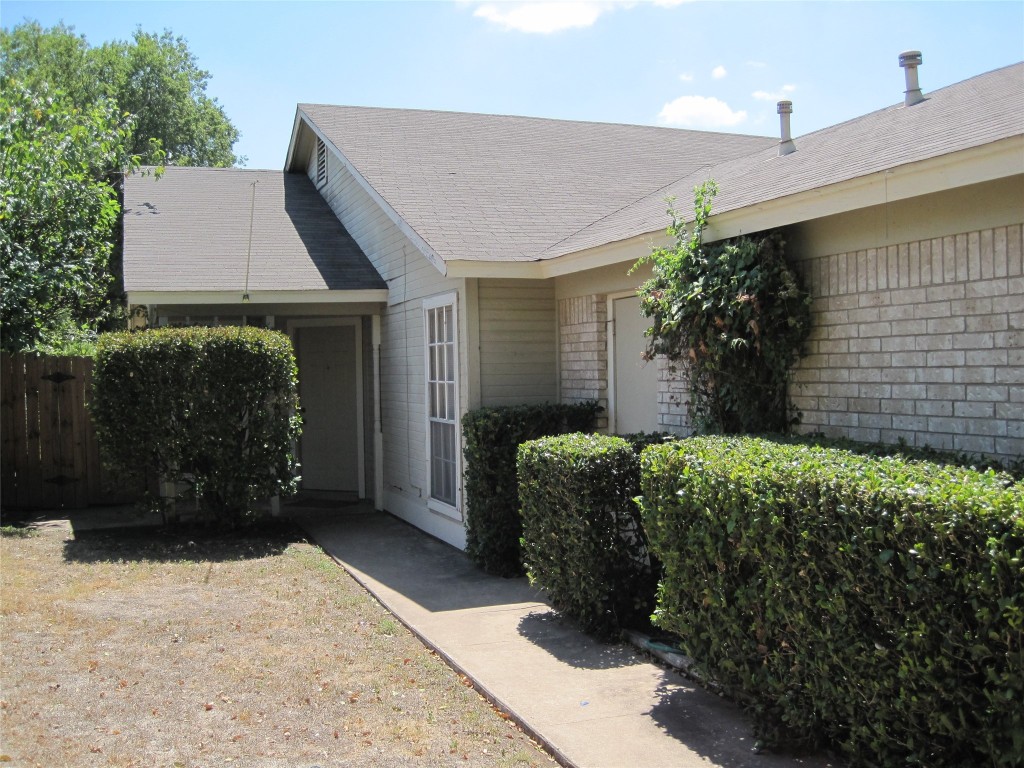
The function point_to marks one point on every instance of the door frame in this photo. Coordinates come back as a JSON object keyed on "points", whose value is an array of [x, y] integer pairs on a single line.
{"points": [[357, 324], [611, 298]]}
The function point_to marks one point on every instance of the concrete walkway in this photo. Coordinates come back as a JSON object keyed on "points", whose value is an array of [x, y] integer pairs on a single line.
{"points": [[592, 705]]}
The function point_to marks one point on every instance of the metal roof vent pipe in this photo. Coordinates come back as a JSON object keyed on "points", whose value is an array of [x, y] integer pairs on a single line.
{"points": [[910, 61], [786, 145]]}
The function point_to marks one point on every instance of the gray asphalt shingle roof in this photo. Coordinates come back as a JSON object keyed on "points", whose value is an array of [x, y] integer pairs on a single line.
{"points": [[189, 231], [972, 113], [500, 188]]}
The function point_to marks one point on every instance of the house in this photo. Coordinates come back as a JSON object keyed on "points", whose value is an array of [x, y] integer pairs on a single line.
{"points": [[426, 263]]}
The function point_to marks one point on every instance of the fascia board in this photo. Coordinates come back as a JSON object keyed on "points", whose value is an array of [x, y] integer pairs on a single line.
{"points": [[631, 250], [593, 258], [528, 270], [406, 229], [294, 141], [369, 295], [971, 166]]}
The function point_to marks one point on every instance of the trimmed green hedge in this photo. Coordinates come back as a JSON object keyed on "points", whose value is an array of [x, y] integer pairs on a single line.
{"points": [[213, 407], [492, 435], [583, 541], [907, 452], [874, 604]]}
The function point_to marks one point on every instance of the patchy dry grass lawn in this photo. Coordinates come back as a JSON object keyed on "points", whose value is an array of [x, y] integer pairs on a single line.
{"points": [[151, 649]]}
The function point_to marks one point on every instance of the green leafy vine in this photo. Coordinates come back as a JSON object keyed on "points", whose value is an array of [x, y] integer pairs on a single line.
{"points": [[731, 314]]}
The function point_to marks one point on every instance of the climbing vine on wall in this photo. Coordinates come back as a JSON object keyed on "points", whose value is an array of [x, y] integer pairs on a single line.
{"points": [[732, 315]]}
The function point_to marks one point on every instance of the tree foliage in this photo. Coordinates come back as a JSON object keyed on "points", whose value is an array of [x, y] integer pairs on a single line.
{"points": [[57, 212], [733, 315], [153, 77], [75, 119]]}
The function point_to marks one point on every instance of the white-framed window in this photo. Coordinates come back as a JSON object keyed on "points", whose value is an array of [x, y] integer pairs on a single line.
{"points": [[442, 390], [321, 162]]}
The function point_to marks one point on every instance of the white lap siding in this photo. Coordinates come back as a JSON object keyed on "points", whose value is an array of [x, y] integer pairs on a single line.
{"points": [[410, 278], [518, 348]]}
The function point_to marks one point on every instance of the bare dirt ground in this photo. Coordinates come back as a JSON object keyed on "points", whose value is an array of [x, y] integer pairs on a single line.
{"points": [[143, 648]]}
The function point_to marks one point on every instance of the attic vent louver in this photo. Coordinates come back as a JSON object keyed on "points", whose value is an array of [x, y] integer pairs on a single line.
{"points": [[910, 61], [321, 162], [786, 145]]}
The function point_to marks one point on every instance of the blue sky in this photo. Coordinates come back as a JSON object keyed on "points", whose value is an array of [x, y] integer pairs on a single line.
{"points": [[709, 65]]}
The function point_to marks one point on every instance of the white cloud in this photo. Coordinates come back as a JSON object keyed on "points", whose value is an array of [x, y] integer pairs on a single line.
{"points": [[543, 18], [778, 95], [719, 72], [757, 64], [700, 112], [686, 77]]}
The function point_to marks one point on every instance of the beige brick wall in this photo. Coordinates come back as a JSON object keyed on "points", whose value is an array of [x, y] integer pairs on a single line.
{"points": [[673, 400], [583, 351], [921, 341], [583, 359]]}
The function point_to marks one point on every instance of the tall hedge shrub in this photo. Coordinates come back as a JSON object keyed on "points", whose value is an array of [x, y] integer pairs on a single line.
{"points": [[583, 540], [873, 603], [216, 408], [492, 436]]}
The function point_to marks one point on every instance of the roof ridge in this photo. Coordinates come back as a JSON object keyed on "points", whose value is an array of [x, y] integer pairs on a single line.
{"points": [[233, 168], [564, 120]]}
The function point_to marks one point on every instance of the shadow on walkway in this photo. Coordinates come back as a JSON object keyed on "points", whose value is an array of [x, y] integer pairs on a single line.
{"points": [[715, 727], [423, 569], [549, 631]]}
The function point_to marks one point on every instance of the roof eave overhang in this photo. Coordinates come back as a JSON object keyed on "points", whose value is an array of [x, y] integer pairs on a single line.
{"points": [[293, 143], [358, 296], [989, 162], [976, 165]]}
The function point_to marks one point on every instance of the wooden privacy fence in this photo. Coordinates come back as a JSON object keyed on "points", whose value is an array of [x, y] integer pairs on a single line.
{"points": [[50, 457]]}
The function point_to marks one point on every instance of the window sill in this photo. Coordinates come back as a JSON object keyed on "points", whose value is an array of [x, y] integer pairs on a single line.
{"points": [[446, 510]]}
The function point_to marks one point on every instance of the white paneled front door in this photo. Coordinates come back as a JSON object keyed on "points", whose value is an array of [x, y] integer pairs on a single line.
{"points": [[634, 380], [329, 394]]}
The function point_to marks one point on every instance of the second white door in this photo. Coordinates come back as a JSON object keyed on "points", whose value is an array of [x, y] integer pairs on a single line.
{"points": [[635, 405], [328, 391]]}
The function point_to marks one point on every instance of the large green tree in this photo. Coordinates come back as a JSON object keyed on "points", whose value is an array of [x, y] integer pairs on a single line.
{"points": [[75, 118], [58, 209], [153, 77]]}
